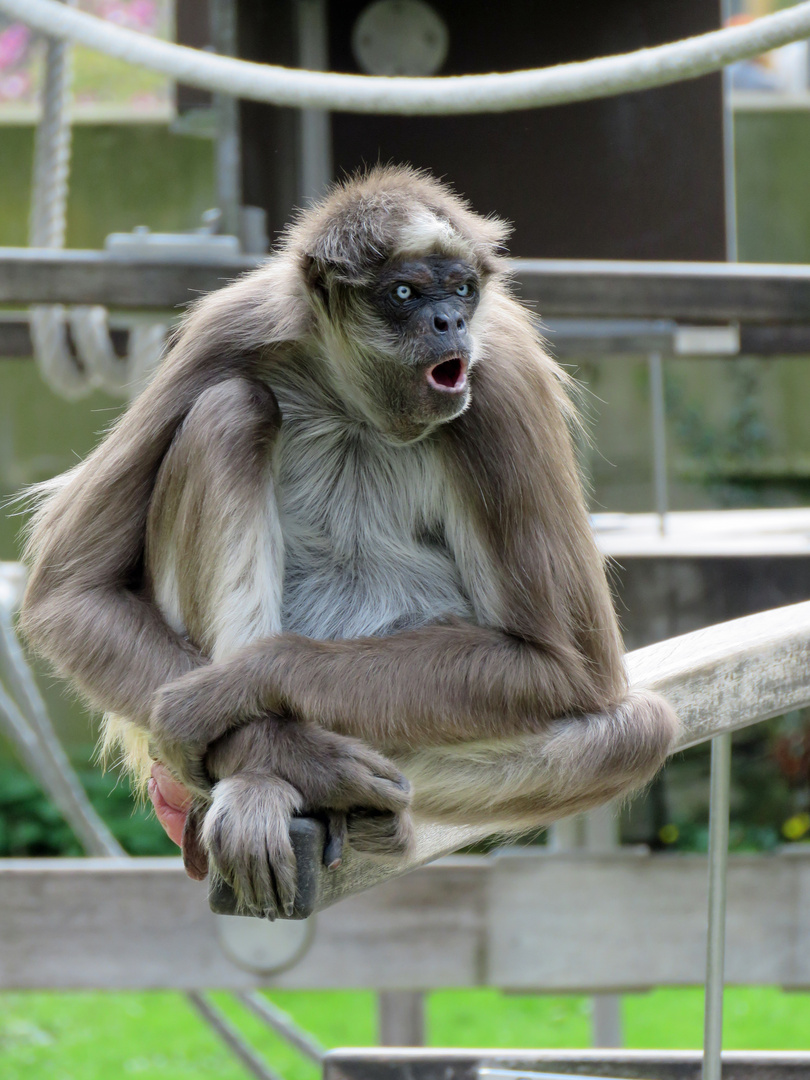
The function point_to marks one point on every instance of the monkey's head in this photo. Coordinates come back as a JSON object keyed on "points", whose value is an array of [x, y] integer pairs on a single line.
{"points": [[397, 269]]}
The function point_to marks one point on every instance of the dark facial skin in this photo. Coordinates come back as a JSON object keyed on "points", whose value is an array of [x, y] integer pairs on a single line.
{"points": [[428, 303]]}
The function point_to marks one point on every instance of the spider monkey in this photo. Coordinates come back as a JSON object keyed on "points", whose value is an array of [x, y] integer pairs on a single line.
{"points": [[335, 559]]}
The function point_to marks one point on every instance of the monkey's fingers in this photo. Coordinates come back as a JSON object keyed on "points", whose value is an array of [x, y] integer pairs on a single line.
{"points": [[378, 783]]}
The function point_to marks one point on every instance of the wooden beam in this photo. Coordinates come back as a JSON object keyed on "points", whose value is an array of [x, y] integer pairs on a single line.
{"points": [[731, 675], [568, 338], [38, 276], [757, 293], [712, 292], [523, 920]]}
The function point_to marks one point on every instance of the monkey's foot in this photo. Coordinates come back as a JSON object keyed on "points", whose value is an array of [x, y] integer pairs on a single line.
{"points": [[308, 840], [318, 846], [247, 836]]}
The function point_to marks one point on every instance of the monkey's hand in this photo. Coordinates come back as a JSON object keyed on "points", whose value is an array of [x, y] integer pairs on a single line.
{"points": [[274, 768], [265, 772]]}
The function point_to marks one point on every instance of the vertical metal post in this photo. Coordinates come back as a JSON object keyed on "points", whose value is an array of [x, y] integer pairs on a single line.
{"points": [[715, 948], [602, 835], [659, 438], [721, 746], [315, 164], [228, 163], [401, 1016], [729, 174]]}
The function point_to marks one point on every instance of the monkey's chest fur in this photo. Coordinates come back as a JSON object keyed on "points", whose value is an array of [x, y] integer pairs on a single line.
{"points": [[362, 524]]}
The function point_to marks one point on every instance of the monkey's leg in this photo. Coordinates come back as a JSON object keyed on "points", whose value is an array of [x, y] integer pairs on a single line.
{"points": [[526, 781], [215, 559]]}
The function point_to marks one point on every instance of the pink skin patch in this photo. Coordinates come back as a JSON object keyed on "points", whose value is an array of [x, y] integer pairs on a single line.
{"points": [[450, 376], [170, 800]]}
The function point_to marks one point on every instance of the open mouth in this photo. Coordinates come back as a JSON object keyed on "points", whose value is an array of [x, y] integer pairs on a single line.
{"points": [[450, 376]]}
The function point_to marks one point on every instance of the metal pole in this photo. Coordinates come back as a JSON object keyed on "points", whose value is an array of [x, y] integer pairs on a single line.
{"points": [[659, 438], [24, 718], [217, 1021], [283, 1025], [715, 948], [721, 746], [226, 112], [401, 1015], [315, 162]]}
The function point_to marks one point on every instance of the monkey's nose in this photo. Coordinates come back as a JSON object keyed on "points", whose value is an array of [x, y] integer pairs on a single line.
{"points": [[442, 323]]}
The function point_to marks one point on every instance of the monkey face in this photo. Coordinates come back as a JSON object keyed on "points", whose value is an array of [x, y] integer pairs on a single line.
{"points": [[418, 315]]}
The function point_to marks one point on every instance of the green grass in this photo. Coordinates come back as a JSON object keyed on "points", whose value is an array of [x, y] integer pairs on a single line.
{"points": [[96, 1036]]}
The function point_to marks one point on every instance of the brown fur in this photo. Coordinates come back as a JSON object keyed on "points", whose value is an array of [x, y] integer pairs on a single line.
{"points": [[469, 708]]}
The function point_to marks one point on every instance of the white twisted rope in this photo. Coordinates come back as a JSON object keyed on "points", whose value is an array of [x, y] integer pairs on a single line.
{"points": [[94, 364], [411, 96], [57, 364]]}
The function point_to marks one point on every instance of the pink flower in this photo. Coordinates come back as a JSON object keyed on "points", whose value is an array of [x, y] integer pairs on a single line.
{"points": [[13, 87], [13, 43]]}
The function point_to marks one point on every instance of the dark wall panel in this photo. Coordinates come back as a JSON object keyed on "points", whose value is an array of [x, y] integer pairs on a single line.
{"points": [[636, 177]]}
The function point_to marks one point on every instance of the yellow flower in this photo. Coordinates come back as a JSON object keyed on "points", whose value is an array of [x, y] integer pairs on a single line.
{"points": [[668, 834], [796, 827]]}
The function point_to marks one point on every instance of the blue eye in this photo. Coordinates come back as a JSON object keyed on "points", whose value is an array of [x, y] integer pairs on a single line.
{"points": [[464, 290], [403, 292]]}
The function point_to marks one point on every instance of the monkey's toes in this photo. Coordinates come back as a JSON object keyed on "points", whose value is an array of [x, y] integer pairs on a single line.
{"points": [[387, 835]]}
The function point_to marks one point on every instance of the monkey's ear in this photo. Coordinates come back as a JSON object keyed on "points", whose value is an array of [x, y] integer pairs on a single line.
{"points": [[322, 273]]}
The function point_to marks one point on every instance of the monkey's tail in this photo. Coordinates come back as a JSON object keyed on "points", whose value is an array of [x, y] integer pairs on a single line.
{"points": [[531, 780]]}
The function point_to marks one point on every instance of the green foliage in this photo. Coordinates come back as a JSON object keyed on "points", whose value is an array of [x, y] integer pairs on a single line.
{"points": [[30, 825], [770, 790]]}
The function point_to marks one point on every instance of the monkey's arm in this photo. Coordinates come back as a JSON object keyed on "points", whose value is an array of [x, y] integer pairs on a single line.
{"points": [[88, 607], [435, 685]]}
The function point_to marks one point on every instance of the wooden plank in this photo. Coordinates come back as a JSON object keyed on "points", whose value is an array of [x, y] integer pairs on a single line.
{"points": [[140, 923], [432, 1064], [731, 675], [33, 276], [696, 534], [714, 292], [567, 338], [524, 921], [629, 921], [699, 292]]}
